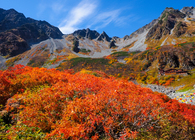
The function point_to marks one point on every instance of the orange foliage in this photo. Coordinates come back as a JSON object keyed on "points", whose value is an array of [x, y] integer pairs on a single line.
{"points": [[168, 82], [74, 106], [108, 57]]}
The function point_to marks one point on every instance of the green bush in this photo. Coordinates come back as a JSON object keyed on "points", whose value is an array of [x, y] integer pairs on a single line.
{"points": [[84, 50], [122, 53], [76, 61]]}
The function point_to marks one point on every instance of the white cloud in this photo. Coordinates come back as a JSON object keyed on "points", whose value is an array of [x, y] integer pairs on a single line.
{"points": [[77, 15], [51, 9]]}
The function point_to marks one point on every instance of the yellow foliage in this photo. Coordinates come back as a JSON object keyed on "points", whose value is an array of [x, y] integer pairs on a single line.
{"points": [[71, 55], [112, 61], [128, 59], [84, 71]]}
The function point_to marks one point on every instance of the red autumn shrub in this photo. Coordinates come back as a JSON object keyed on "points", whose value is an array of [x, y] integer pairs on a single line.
{"points": [[81, 106]]}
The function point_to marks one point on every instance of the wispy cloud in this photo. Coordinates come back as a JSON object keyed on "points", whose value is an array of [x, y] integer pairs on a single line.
{"points": [[52, 9], [77, 15], [105, 18], [41, 8], [124, 20], [116, 17], [57, 7]]}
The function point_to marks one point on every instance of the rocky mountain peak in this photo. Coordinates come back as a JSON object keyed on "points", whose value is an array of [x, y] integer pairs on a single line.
{"points": [[170, 11], [10, 19], [167, 21], [86, 33], [103, 36], [115, 38], [91, 34]]}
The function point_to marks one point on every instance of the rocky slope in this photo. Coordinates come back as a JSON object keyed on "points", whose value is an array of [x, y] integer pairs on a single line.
{"points": [[38, 40], [174, 26]]}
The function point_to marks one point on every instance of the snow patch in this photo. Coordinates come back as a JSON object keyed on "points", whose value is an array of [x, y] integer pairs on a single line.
{"points": [[164, 42], [172, 31]]}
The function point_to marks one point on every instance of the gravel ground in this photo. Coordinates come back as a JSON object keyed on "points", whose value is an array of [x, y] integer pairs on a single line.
{"points": [[183, 97]]}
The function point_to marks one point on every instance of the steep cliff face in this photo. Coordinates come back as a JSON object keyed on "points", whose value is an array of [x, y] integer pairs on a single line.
{"points": [[179, 56], [172, 57]]}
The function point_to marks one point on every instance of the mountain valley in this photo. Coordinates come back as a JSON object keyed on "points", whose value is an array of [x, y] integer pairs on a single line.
{"points": [[88, 85]]}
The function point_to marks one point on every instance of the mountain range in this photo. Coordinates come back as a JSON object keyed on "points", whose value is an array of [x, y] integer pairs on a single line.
{"points": [[26, 41]]}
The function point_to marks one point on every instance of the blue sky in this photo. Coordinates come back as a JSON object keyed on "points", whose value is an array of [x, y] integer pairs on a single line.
{"points": [[115, 17]]}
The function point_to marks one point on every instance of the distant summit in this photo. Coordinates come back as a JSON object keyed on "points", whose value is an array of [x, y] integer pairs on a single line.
{"points": [[86, 33], [103, 36], [91, 34]]}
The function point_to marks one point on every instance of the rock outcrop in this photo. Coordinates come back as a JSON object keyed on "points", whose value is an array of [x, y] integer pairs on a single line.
{"points": [[112, 44]]}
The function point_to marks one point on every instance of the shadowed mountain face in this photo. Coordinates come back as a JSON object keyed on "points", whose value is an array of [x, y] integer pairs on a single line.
{"points": [[17, 32], [11, 44], [10, 19]]}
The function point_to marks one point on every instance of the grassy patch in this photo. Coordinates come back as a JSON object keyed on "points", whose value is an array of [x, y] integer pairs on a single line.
{"points": [[76, 61], [184, 89], [122, 53], [188, 81], [163, 16], [83, 50], [11, 61]]}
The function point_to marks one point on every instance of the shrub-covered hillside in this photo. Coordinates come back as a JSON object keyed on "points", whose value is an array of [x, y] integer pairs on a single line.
{"points": [[39, 103]]}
